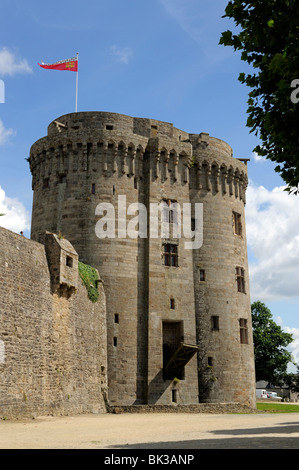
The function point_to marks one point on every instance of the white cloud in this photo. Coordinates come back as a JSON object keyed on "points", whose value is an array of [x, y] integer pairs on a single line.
{"points": [[257, 158], [121, 54], [16, 217], [11, 65], [272, 221], [5, 133], [294, 346]]}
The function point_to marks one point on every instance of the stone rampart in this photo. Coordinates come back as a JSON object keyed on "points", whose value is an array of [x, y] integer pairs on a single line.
{"points": [[52, 341]]}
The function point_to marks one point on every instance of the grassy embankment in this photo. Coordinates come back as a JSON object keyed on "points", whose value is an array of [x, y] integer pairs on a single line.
{"points": [[277, 407]]}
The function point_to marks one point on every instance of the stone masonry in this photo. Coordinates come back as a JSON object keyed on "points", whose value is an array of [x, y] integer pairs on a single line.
{"points": [[52, 337], [164, 301]]}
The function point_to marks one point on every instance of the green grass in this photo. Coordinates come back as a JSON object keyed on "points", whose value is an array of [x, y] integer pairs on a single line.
{"points": [[277, 407]]}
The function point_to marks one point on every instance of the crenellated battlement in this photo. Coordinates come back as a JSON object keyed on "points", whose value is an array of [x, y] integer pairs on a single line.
{"points": [[115, 145]]}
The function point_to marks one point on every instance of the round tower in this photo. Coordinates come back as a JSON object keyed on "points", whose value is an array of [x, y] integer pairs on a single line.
{"points": [[178, 320], [221, 278]]}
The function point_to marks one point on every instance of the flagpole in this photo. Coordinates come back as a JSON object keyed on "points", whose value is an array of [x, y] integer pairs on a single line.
{"points": [[77, 73]]}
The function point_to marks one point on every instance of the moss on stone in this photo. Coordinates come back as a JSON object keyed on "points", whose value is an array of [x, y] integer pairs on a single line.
{"points": [[90, 278]]}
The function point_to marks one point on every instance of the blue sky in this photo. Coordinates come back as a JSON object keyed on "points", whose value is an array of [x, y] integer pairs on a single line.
{"points": [[152, 58]]}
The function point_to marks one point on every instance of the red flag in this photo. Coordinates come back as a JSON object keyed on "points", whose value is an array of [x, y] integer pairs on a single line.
{"points": [[68, 64]]}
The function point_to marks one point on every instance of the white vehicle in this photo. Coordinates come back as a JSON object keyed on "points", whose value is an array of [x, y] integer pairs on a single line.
{"points": [[274, 396], [260, 393]]}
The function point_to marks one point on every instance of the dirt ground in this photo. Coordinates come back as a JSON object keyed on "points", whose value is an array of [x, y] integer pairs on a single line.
{"points": [[154, 431]]}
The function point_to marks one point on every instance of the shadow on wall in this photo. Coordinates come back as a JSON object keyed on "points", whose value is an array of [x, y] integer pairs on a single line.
{"points": [[157, 383]]}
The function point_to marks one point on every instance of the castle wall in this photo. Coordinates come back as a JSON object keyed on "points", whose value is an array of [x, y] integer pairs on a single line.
{"points": [[52, 342], [93, 158]]}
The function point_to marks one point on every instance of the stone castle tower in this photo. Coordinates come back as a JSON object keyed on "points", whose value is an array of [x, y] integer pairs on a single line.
{"points": [[178, 320]]}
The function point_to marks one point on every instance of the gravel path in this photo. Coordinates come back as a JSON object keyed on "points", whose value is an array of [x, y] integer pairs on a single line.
{"points": [[154, 431]]}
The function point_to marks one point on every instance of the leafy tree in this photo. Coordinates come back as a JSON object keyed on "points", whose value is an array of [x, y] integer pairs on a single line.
{"points": [[268, 39], [292, 381], [270, 341]]}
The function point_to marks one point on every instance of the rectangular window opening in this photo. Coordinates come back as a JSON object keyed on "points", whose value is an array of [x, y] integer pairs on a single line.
{"points": [[69, 261], [240, 276], [109, 127], [172, 304], [93, 188], [243, 331], [115, 341], [116, 318], [170, 211], [215, 323], [171, 255], [174, 396], [62, 179], [202, 275], [46, 183], [172, 335], [237, 222]]}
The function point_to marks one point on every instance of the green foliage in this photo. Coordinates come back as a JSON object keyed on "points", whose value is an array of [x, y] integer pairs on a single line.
{"points": [[292, 381], [89, 278], [268, 40], [270, 341]]}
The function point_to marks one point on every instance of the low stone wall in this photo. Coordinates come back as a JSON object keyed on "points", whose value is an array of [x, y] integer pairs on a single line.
{"points": [[211, 408]]}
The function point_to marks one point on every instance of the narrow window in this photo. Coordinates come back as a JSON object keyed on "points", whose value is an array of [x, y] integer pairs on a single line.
{"points": [[243, 331], [46, 183], [240, 276], [109, 127], [172, 304], [89, 148], [115, 341], [171, 255], [69, 261], [113, 190], [93, 188], [135, 183], [116, 318], [202, 275], [237, 222], [174, 396], [170, 211], [210, 361], [215, 323], [62, 179]]}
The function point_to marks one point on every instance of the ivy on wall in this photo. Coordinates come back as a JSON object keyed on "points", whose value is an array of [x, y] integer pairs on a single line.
{"points": [[89, 278]]}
